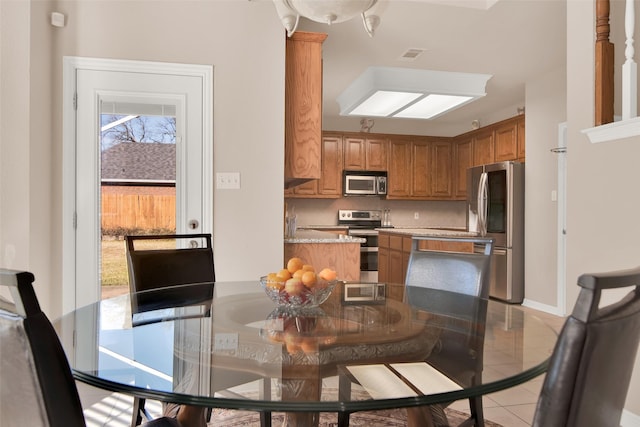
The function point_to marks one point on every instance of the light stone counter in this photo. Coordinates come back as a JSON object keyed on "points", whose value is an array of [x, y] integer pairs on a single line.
{"points": [[314, 236], [429, 232]]}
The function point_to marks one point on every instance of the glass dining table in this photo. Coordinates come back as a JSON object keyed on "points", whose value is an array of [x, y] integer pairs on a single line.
{"points": [[227, 345]]}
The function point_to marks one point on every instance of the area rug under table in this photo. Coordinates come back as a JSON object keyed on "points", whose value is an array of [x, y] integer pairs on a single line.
{"points": [[384, 418]]}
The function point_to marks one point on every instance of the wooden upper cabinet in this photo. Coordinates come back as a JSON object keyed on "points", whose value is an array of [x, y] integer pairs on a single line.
{"points": [[399, 172], [506, 142], [462, 160], [483, 148], [421, 171], [330, 183], [303, 107], [329, 186], [521, 139], [441, 155], [354, 153], [361, 153], [376, 154]]}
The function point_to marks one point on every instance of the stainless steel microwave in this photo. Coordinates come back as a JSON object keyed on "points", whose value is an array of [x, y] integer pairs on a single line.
{"points": [[364, 183]]}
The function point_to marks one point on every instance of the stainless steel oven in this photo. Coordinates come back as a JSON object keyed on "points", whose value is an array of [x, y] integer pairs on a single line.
{"points": [[363, 224]]}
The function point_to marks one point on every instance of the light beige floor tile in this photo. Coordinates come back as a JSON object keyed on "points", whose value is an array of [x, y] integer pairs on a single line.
{"points": [[524, 412], [503, 417]]}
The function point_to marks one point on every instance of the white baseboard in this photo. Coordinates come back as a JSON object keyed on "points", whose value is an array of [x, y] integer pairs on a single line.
{"points": [[551, 309], [629, 419]]}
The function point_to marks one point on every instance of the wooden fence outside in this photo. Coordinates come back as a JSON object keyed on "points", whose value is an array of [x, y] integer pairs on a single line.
{"points": [[138, 212]]}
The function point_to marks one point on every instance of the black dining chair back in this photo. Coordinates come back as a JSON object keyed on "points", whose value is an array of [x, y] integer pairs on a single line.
{"points": [[162, 264], [461, 272], [37, 385], [464, 280], [167, 260], [591, 365]]}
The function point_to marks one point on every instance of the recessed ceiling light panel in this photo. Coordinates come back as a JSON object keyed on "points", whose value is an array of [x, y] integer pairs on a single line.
{"points": [[432, 106], [383, 103], [452, 90]]}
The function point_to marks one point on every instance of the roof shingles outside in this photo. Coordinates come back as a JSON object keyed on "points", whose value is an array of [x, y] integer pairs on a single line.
{"points": [[139, 161]]}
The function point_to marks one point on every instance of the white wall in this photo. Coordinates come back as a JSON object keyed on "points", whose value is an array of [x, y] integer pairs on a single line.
{"points": [[244, 41], [602, 210], [546, 109]]}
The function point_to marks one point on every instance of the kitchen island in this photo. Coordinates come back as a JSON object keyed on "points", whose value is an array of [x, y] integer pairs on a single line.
{"points": [[326, 249], [395, 248]]}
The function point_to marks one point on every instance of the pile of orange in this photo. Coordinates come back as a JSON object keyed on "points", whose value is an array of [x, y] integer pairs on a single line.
{"points": [[298, 276]]}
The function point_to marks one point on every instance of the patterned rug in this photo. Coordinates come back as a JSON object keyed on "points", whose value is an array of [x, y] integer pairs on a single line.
{"points": [[385, 418]]}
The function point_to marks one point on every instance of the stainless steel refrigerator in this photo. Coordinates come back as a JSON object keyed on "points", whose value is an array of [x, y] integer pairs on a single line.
{"points": [[496, 209]]}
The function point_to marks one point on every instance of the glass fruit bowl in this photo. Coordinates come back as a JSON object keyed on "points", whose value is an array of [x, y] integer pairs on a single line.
{"points": [[296, 294]]}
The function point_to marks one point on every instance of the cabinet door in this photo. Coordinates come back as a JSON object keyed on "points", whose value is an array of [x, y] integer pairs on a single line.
{"points": [[303, 106], [399, 176], [463, 160], [441, 170], [383, 264], [330, 183], [397, 270], [483, 148], [506, 143], [421, 172], [376, 154], [354, 153], [521, 139]]}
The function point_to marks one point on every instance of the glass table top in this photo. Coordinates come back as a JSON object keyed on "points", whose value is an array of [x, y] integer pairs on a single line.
{"points": [[227, 345]]}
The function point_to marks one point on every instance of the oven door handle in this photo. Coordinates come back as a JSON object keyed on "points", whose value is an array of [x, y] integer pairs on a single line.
{"points": [[368, 249], [360, 232]]}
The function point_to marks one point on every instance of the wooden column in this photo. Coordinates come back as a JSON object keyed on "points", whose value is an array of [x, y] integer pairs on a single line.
{"points": [[604, 66]]}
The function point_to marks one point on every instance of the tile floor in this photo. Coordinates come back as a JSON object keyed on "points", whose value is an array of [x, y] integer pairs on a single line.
{"points": [[510, 408]]}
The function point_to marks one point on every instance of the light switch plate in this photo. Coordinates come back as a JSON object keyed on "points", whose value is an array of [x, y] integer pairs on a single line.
{"points": [[228, 180]]}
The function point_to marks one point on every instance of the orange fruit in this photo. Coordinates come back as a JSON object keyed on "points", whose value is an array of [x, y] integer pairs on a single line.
{"points": [[308, 279], [327, 274], [294, 264], [298, 274], [284, 274], [308, 267]]}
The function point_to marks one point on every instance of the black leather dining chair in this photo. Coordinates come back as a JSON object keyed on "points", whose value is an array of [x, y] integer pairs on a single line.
{"points": [[163, 263], [38, 388], [464, 278], [590, 369]]}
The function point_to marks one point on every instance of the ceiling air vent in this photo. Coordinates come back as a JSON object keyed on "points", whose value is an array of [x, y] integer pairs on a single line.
{"points": [[411, 54]]}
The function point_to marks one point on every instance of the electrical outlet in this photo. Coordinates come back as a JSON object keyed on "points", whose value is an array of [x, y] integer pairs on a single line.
{"points": [[416, 215], [225, 341], [228, 180]]}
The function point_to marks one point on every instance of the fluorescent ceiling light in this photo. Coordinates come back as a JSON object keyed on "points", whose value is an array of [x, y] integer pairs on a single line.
{"points": [[432, 105], [382, 103], [426, 94]]}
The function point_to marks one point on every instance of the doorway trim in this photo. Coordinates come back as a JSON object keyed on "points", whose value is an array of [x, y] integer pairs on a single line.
{"points": [[71, 64]]}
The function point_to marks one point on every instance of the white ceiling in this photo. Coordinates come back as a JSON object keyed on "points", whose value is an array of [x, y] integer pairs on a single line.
{"points": [[513, 40]]}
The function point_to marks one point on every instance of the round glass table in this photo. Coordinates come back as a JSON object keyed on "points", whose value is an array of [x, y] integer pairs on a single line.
{"points": [[226, 345]]}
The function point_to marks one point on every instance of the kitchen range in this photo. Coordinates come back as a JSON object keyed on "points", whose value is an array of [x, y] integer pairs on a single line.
{"points": [[363, 223]]}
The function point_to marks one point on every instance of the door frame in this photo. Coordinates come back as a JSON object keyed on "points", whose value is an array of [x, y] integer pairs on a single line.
{"points": [[71, 64]]}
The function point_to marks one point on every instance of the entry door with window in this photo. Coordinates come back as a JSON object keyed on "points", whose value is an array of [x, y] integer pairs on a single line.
{"points": [[142, 163]]}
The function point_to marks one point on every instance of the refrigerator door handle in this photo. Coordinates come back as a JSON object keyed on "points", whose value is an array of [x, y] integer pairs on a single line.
{"points": [[482, 204]]}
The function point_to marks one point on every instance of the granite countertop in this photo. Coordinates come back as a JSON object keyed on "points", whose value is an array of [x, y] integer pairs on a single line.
{"points": [[322, 227], [448, 232], [313, 236]]}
